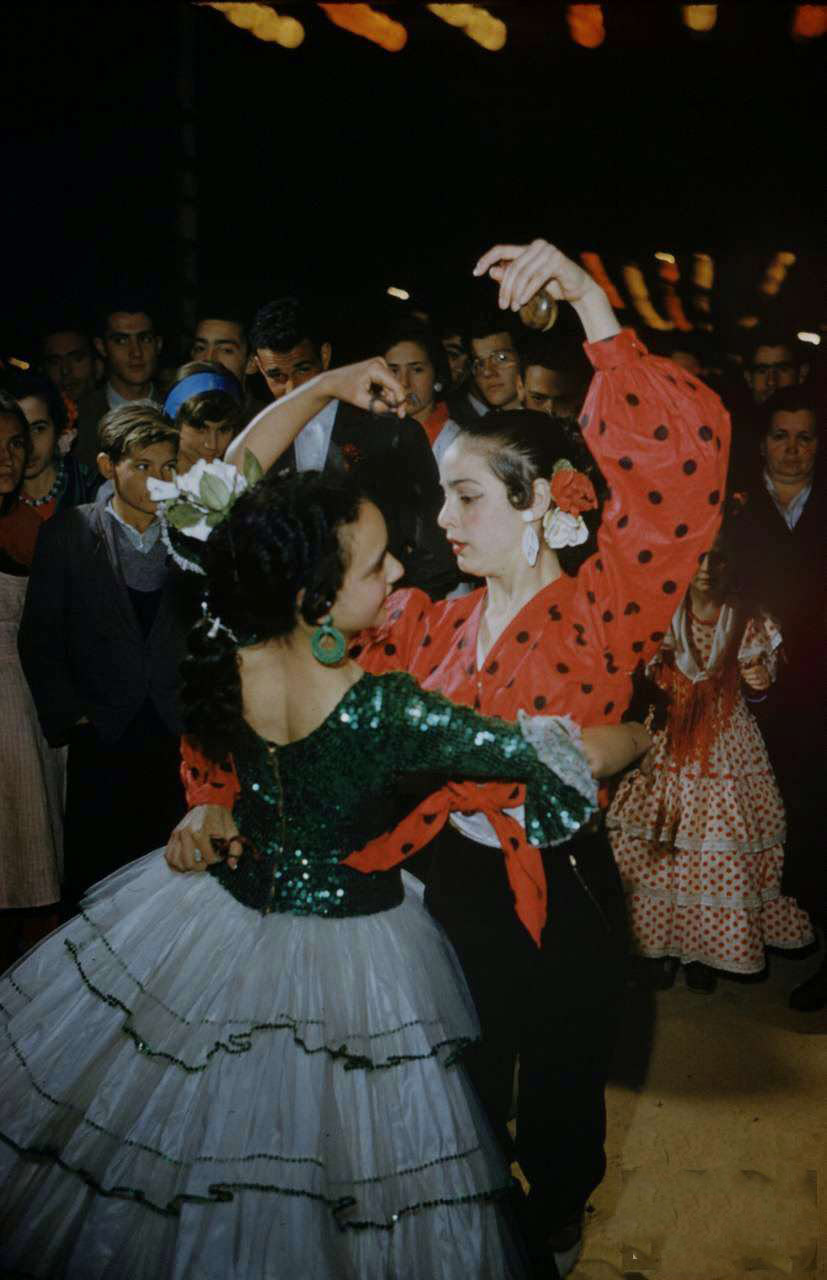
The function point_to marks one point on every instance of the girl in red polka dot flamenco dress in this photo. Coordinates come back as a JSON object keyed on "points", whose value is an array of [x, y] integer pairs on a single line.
{"points": [[698, 830]]}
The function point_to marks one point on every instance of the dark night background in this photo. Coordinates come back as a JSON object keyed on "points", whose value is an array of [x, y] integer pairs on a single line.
{"points": [[341, 168]]}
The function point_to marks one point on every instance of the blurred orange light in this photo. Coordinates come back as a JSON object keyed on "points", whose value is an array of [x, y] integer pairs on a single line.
{"points": [[700, 17], [809, 21], [776, 273], [586, 24], [703, 270], [594, 265], [641, 301], [479, 25], [361, 20], [262, 22]]}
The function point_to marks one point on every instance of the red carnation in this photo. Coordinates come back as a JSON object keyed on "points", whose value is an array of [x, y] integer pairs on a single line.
{"points": [[573, 491]]}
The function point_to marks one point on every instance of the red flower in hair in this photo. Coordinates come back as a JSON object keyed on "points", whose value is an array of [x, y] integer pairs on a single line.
{"points": [[573, 491]]}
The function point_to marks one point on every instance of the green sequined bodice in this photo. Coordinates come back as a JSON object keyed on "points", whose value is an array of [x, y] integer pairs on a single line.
{"points": [[307, 805]]}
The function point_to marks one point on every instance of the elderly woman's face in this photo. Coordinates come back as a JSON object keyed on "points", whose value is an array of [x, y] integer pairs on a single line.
{"points": [[790, 446]]}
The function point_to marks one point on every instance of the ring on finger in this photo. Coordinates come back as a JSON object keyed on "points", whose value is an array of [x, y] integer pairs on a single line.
{"points": [[198, 856]]}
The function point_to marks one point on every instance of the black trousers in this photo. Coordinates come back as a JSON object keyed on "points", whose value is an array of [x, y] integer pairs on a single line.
{"points": [[556, 1006], [122, 801]]}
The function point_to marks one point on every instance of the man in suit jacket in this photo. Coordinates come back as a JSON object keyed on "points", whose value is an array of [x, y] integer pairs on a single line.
{"points": [[127, 341], [100, 640], [390, 458]]}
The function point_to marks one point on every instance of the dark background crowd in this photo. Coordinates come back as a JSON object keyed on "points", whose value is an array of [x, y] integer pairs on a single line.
{"points": [[182, 196]]}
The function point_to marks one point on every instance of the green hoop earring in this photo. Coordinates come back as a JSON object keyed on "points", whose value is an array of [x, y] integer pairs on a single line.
{"points": [[327, 644]]}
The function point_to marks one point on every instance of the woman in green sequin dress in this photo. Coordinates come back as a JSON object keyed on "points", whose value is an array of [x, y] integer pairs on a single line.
{"points": [[251, 1073]]}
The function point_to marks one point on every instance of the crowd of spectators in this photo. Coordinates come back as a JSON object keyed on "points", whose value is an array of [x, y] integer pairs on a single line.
{"points": [[91, 770]]}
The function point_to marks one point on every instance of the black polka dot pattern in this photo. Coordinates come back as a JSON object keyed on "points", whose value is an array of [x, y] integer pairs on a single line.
{"points": [[622, 522], [632, 399], [587, 688], [705, 433], [610, 706], [669, 587], [555, 614], [426, 640], [644, 556], [690, 467], [655, 497], [626, 463], [607, 615], [602, 427], [681, 530], [632, 607], [390, 650], [656, 636], [714, 497], [562, 668], [493, 668], [661, 432], [355, 650], [637, 646], [522, 637], [539, 702]]}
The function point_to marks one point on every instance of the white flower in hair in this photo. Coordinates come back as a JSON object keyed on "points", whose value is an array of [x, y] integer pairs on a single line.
{"points": [[562, 529], [195, 502]]}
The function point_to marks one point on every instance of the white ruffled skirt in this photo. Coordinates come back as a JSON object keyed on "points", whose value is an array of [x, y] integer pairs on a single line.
{"points": [[190, 1090]]}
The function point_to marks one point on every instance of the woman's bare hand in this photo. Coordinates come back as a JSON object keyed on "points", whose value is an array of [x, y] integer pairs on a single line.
{"points": [[522, 269], [190, 846], [756, 676], [608, 748], [369, 385]]}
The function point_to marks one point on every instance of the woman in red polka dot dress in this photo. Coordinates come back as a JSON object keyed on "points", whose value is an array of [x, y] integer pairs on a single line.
{"points": [[534, 639], [698, 832]]}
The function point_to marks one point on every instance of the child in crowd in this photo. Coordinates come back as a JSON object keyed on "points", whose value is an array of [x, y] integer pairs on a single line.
{"points": [[100, 641], [205, 404], [698, 830]]}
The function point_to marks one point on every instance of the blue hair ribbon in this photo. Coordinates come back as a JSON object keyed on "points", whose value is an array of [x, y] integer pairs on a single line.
{"points": [[194, 385]]}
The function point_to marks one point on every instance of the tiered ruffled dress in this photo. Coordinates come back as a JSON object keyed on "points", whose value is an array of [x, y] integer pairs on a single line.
{"points": [[700, 841], [253, 1075]]}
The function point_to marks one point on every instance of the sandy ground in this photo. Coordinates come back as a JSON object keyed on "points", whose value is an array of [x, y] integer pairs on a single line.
{"points": [[717, 1141]]}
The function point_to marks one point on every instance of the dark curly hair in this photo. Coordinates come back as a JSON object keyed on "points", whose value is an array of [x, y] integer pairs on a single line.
{"points": [[523, 446], [281, 536]]}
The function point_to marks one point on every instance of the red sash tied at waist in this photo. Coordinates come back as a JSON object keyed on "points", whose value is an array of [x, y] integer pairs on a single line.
{"points": [[523, 861]]}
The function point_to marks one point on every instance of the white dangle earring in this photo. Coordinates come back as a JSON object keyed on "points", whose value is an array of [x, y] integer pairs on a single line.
{"points": [[531, 543]]}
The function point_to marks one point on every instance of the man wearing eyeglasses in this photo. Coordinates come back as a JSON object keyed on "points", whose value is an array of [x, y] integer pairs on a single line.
{"points": [[496, 372], [773, 361]]}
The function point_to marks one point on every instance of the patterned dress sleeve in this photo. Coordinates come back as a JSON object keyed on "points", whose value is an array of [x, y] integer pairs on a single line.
{"points": [[432, 735], [661, 439], [206, 782], [487, 764]]}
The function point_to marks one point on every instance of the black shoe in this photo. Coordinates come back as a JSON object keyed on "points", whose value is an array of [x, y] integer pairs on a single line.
{"points": [[699, 977], [811, 995]]}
